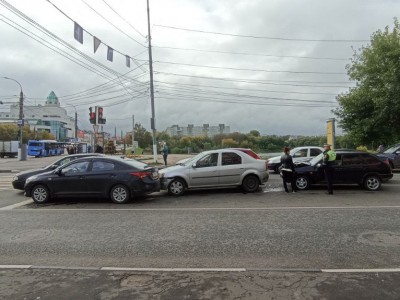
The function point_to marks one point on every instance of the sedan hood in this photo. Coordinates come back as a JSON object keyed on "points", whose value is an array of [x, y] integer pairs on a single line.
{"points": [[172, 169], [29, 173]]}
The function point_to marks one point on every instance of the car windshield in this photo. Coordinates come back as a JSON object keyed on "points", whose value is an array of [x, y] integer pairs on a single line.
{"points": [[316, 159], [185, 163], [392, 149]]}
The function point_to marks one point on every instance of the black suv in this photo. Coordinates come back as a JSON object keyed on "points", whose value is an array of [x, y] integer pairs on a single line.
{"points": [[350, 167]]}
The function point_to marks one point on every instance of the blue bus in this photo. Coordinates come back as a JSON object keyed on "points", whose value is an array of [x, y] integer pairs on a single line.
{"points": [[42, 148]]}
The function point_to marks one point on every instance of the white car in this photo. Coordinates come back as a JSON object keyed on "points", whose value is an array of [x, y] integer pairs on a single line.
{"points": [[299, 154], [215, 168]]}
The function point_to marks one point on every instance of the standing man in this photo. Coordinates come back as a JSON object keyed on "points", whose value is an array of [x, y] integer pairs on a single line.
{"points": [[165, 152], [328, 161]]}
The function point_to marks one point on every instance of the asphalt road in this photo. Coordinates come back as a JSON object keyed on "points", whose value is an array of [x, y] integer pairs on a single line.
{"points": [[268, 237]]}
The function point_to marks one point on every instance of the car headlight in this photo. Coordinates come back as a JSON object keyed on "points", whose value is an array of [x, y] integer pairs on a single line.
{"points": [[15, 178], [30, 179]]}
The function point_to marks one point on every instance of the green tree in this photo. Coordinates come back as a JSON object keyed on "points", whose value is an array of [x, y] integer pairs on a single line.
{"points": [[370, 112], [142, 136]]}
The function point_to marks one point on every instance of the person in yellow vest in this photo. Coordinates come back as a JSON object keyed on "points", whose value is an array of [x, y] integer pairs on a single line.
{"points": [[328, 161]]}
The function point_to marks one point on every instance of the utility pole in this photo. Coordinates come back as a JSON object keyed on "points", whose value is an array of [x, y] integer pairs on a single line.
{"points": [[76, 125], [133, 132], [153, 117], [22, 147]]}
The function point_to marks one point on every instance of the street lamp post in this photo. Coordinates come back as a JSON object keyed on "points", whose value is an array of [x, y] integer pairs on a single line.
{"points": [[22, 151]]}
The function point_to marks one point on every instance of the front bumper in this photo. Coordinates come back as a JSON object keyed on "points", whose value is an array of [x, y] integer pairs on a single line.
{"points": [[18, 184]]}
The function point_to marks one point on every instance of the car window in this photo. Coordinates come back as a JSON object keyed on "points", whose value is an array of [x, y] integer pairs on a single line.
{"points": [[351, 160], [231, 158], [300, 153], [315, 151], [371, 160], [78, 167], [210, 160], [100, 166], [66, 160]]}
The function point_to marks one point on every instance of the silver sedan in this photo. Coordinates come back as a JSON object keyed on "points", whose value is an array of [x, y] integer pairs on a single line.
{"points": [[215, 168]]}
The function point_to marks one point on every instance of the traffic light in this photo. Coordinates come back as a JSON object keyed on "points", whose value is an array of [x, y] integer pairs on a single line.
{"points": [[101, 120], [92, 116]]}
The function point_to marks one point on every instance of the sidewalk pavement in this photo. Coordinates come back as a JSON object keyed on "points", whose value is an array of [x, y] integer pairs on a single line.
{"points": [[53, 283], [13, 165]]}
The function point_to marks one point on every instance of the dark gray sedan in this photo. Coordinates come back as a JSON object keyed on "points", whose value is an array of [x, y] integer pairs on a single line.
{"points": [[19, 179]]}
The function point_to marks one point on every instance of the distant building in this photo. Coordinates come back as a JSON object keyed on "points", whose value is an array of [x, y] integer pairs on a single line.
{"points": [[191, 130], [49, 117]]}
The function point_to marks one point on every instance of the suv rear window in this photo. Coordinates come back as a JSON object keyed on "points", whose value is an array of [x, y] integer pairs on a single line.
{"points": [[371, 160], [351, 159]]}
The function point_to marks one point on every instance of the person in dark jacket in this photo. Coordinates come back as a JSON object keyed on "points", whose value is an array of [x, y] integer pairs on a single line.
{"points": [[288, 170], [165, 152]]}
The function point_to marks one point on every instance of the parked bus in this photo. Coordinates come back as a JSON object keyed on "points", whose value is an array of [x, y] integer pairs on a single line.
{"points": [[44, 148]]}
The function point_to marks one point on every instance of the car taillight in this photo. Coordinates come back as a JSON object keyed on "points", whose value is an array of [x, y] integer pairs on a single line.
{"points": [[141, 175]]}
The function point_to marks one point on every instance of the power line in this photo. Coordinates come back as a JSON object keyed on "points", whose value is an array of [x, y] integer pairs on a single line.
{"points": [[242, 89], [248, 81], [105, 19], [252, 54], [263, 37], [123, 19], [244, 69], [208, 92]]}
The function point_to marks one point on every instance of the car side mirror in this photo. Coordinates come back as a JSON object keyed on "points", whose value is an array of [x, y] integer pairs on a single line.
{"points": [[53, 167], [194, 166], [319, 166], [59, 172], [397, 152]]}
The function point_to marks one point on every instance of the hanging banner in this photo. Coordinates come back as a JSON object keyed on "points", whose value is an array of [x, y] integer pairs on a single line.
{"points": [[110, 53], [78, 33], [128, 61], [96, 43]]}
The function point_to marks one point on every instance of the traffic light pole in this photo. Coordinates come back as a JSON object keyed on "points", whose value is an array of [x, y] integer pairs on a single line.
{"points": [[153, 118]]}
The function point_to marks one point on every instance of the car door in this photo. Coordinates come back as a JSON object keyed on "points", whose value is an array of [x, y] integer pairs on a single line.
{"points": [[71, 179], [231, 168], [351, 170], [396, 158], [205, 171], [101, 177]]}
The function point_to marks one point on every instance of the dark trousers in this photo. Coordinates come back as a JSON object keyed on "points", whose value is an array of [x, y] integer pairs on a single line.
{"points": [[328, 170], [165, 158], [288, 177]]}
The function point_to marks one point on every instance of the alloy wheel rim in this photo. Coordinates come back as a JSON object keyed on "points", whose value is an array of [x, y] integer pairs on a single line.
{"points": [[119, 194], [301, 183], [40, 194], [372, 183]]}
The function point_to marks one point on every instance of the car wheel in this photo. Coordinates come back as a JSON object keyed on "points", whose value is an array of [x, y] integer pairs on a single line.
{"points": [[250, 184], [40, 194], [119, 194], [372, 183], [302, 182], [176, 187]]}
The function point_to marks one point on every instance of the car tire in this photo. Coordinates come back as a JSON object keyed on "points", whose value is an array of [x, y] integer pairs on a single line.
{"points": [[276, 169], [372, 183], [302, 183], [40, 194], [177, 187], [250, 184], [120, 194]]}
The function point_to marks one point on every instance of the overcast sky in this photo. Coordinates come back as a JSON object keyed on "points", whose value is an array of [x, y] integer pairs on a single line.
{"points": [[273, 66]]}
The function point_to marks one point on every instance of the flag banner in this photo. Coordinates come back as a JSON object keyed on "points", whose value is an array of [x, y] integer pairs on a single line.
{"points": [[78, 33], [128, 61], [96, 43], [110, 53]]}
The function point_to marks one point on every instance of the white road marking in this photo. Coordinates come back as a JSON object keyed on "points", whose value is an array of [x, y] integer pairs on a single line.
{"points": [[15, 266], [394, 270], [19, 204]]}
